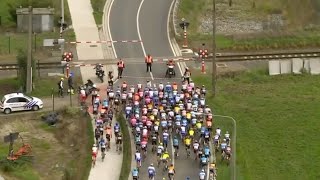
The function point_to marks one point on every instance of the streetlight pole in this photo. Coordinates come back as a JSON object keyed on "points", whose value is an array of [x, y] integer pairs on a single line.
{"points": [[234, 144], [214, 66]]}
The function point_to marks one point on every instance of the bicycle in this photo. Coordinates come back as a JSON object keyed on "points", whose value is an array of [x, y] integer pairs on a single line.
{"points": [[93, 161], [103, 155]]}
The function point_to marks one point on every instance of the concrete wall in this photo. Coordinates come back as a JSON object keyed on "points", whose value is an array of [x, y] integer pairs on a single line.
{"points": [[41, 23]]}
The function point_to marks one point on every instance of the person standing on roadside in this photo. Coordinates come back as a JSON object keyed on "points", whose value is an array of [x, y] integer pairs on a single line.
{"points": [[60, 87], [70, 84], [120, 65], [149, 61]]}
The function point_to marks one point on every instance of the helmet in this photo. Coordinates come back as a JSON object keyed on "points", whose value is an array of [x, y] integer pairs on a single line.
{"points": [[187, 68], [98, 95], [202, 170], [94, 145], [161, 144], [62, 78], [224, 140], [195, 141], [119, 134], [175, 137], [202, 85], [151, 164], [227, 132], [145, 127], [117, 124], [124, 82], [137, 150], [94, 86]]}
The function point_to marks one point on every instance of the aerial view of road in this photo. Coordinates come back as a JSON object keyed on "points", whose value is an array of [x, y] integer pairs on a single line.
{"points": [[139, 20]]}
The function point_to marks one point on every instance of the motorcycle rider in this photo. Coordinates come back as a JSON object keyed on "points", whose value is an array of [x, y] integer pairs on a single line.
{"points": [[98, 68], [170, 66]]}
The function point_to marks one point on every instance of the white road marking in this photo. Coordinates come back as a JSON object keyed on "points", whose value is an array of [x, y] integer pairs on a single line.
{"points": [[139, 34], [138, 28], [168, 28], [108, 27]]}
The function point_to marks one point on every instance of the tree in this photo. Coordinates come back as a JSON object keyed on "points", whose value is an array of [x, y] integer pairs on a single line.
{"points": [[22, 68]]}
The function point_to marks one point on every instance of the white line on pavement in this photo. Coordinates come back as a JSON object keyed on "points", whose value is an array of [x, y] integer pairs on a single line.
{"points": [[151, 76], [138, 28], [168, 28], [109, 31]]}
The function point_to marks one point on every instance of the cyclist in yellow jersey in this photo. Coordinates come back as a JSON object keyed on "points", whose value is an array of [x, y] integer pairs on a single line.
{"points": [[191, 132], [157, 122], [188, 115], [177, 109], [152, 117], [187, 142], [199, 125]]}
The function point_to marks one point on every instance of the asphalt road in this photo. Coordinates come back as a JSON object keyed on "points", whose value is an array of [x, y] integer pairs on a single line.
{"points": [[146, 20]]}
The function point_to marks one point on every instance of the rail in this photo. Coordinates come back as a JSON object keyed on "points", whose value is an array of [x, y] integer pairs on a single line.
{"points": [[220, 57]]}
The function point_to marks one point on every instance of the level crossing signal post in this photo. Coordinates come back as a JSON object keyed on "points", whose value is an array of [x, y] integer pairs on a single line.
{"points": [[203, 53], [67, 58], [184, 25]]}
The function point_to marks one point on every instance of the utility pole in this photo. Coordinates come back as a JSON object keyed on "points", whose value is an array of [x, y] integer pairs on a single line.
{"points": [[61, 25], [214, 66], [29, 60]]}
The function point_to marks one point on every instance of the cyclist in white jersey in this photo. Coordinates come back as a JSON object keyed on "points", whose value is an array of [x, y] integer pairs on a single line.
{"points": [[218, 131]]}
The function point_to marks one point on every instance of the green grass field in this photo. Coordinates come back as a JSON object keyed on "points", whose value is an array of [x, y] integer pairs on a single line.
{"points": [[19, 40], [97, 6], [277, 124], [298, 16]]}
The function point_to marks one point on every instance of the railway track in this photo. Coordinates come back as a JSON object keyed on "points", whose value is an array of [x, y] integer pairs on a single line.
{"points": [[220, 57]]}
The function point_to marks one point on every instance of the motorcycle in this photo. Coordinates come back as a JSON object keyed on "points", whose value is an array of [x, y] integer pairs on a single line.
{"points": [[170, 72], [100, 75]]}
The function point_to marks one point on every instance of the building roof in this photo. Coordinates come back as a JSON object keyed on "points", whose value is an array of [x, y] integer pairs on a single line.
{"points": [[37, 11]]}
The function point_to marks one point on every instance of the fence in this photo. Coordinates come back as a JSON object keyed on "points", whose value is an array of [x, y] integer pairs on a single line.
{"points": [[295, 66]]}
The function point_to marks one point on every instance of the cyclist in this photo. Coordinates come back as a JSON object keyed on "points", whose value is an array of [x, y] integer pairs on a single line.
{"points": [[138, 140], [207, 152], [165, 136], [94, 152], [165, 157], [196, 147], [227, 137], [102, 144], [144, 144], [171, 171], [191, 132], [176, 145], [151, 171], [135, 174], [218, 132], [108, 133], [160, 149], [202, 175], [203, 161], [223, 145], [116, 129], [137, 157], [187, 142], [119, 141], [212, 169]]}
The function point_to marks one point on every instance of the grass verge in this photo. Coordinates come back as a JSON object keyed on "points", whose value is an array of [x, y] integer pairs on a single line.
{"points": [[97, 6], [295, 34], [42, 86], [127, 156], [88, 159], [277, 119]]}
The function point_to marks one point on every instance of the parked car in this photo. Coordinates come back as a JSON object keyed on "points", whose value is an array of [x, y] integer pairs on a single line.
{"points": [[19, 102]]}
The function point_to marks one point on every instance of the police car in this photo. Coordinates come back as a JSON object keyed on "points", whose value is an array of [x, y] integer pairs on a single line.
{"points": [[19, 102]]}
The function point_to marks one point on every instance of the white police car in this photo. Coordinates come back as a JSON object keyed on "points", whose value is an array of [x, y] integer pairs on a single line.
{"points": [[19, 102]]}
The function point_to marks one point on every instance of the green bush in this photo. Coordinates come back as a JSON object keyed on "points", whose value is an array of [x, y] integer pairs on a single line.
{"points": [[127, 156]]}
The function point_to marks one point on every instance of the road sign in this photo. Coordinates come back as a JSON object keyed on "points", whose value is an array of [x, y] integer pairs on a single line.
{"points": [[184, 24], [11, 137]]}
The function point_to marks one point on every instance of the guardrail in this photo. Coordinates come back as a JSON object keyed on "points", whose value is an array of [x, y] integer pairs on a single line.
{"points": [[220, 57]]}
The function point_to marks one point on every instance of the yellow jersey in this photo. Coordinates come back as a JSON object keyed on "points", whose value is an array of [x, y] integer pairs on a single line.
{"points": [[187, 141], [165, 156], [191, 132]]}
